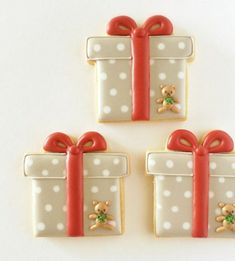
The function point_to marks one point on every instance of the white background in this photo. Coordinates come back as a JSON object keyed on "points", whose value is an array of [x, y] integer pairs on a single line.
{"points": [[46, 85]]}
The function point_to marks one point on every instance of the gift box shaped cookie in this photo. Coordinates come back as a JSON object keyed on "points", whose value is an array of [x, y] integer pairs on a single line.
{"points": [[77, 189], [141, 71], [194, 186]]}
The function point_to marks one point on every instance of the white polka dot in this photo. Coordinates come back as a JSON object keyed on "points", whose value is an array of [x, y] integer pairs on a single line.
{"points": [[41, 226], [212, 165], [166, 193], [175, 209], [64, 208], [29, 162], [116, 161], [179, 179], [160, 177], [85, 172], [122, 76], [161, 46], [94, 189], [120, 47], [221, 180], [181, 45], [60, 226], [105, 172], [103, 76], [180, 75], [45, 172], [48, 207], [211, 194], [107, 109], [162, 76], [113, 188], [170, 164], [233, 165], [55, 161], [113, 223], [152, 93], [229, 194], [190, 164], [217, 211], [38, 190], [167, 225], [171, 61], [152, 162], [124, 108], [151, 61], [159, 206], [96, 161], [113, 92], [188, 194], [97, 47], [112, 61], [56, 188], [186, 226], [85, 208]]}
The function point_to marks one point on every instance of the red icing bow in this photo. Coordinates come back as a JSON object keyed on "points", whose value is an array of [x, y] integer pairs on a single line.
{"points": [[88, 142], [126, 26], [214, 142]]}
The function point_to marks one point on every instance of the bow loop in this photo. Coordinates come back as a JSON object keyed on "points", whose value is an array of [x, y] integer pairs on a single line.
{"points": [[214, 142], [218, 141], [91, 141], [58, 142], [121, 25], [182, 140], [125, 25], [158, 25]]}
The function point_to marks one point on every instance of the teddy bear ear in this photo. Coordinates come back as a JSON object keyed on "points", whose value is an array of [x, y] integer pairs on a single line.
{"points": [[107, 203], [234, 205], [94, 202], [221, 204], [161, 86], [173, 86]]}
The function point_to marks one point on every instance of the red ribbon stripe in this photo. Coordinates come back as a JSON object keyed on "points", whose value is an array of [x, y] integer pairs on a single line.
{"points": [[89, 142], [126, 26]]}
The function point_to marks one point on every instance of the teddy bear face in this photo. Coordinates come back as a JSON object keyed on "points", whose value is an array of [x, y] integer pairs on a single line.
{"points": [[101, 207], [228, 210], [168, 90]]}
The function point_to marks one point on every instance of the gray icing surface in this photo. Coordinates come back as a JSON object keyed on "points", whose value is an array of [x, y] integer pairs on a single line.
{"points": [[103, 181]]}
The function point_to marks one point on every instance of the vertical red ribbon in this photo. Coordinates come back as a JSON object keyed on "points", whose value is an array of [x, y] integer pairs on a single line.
{"points": [[155, 25], [214, 142], [60, 142]]}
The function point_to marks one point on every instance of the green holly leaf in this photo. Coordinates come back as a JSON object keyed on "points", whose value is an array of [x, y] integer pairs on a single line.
{"points": [[102, 218], [169, 100], [230, 219]]}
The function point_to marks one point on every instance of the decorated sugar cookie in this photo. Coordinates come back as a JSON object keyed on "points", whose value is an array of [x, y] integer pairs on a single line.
{"points": [[133, 63], [77, 188], [194, 186]]}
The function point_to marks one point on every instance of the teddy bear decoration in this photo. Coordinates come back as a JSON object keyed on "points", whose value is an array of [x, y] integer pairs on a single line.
{"points": [[168, 100], [100, 215], [227, 217]]}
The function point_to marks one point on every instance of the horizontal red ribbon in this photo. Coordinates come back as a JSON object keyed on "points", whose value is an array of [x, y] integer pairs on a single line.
{"points": [[214, 142], [155, 25], [89, 142]]}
